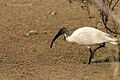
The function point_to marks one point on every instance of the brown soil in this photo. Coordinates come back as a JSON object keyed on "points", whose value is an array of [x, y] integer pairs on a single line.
{"points": [[31, 58]]}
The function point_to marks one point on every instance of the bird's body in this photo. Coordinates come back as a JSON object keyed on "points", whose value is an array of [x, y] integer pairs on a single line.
{"points": [[90, 36], [86, 36]]}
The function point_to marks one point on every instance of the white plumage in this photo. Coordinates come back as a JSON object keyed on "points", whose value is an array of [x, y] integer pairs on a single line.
{"points": [[90, 36], [86, 36]]}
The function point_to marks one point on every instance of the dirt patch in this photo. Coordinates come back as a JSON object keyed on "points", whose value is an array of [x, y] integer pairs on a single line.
{"points": [[31, 58]]}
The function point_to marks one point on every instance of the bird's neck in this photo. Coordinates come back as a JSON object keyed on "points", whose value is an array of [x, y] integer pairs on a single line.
{"points": [[68, 37], [67, 34]]}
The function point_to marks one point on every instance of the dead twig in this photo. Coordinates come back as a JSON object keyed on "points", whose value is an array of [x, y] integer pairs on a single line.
{"points": [[114, 5], [105, 17]]}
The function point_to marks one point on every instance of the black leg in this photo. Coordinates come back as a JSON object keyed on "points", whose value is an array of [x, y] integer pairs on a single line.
{"points": [[91, 54], [100, 46]]}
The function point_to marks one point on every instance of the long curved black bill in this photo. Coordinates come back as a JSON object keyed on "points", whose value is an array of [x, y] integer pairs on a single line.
{"points": [[56, 36]]}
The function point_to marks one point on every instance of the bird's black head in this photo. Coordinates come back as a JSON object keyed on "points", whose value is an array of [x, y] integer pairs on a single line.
{"points": [[63, 30]]}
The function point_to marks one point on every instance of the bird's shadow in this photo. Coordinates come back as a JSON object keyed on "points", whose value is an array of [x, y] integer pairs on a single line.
{"points": [[106, 60], [102, 60]]}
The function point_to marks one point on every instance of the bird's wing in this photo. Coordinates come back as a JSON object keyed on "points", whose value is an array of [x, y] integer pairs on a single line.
{"points": [[91, 38]]}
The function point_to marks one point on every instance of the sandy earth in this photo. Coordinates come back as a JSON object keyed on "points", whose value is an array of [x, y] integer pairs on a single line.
{"points": [[31, 58]]}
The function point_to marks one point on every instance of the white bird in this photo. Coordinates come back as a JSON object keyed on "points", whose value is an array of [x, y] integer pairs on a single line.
{"points": [[86, 36]]}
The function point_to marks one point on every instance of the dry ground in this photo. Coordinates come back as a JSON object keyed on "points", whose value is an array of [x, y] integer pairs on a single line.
{"points": [[31, 58]]}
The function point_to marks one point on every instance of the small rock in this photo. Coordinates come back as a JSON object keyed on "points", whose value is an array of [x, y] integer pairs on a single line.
{"points": [[52, 13], [31, 32]]}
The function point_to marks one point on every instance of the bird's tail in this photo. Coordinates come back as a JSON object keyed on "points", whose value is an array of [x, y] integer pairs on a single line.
{"points": [[115, 43]]}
